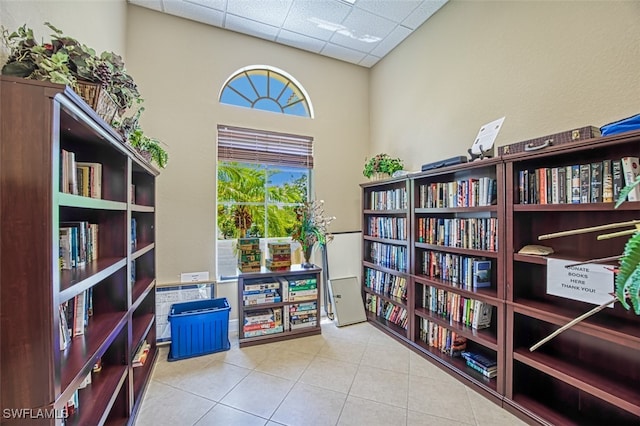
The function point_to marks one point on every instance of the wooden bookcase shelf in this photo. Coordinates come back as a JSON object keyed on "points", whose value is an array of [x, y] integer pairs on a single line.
{"points": [[586, 374], [48, 134], [283, 311]]}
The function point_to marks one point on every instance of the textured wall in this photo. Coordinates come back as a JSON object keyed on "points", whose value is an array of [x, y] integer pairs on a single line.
{"points": [[546, 66]]}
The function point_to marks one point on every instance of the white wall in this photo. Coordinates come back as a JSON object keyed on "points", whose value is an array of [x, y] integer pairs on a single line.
{"points": [[180, 66], [100, 24], [547, 66]]}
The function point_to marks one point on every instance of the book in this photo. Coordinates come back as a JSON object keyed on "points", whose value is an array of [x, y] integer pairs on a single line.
{"points": [[607, 182], [93, 182], [67, 261], [575, 184], [630, 173], [617, 180], [481, 273], [595, 195], [585, 183]]}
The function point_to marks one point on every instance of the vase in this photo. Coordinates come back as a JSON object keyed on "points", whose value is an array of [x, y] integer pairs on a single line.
{"points": [[306, 254], [380, 176]]}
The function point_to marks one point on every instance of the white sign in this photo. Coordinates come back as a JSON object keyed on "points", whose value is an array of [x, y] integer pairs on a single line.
{"points": [[486, 136], [194, 277], [590, 283]]}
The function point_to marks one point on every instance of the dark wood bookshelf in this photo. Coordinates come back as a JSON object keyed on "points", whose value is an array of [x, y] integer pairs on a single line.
{"points": [[458, 250], [386, 241], [586, 374], [267, 276], [387, 326], [485, 336], [395, 300], [484, 294], [43, 120]]}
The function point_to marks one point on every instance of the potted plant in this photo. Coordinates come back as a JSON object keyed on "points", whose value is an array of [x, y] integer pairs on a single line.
{"points": [[311, 228], [382, 166], [64, 60], [148, 147]]}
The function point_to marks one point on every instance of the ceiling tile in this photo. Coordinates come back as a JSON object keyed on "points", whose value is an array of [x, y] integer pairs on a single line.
{"points": [[149, 4], [272, 12], [362, 31], [369, 61], [395, 10], [343, 53], [211, 4], [389, 43], [247, 26], [422, 13], [300, 41], [318, 19], [194, 12]]}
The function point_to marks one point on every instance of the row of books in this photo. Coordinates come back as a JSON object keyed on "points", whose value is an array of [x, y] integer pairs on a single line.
{"points": [[385, 283], [80, 178], [470, 233], [392, 199], [78, 244], [280, 290], [471, 192], [387, 227], [389, 311], [485, 365], [462, 271], [388, 256], [277, 320], [74, 317], [456, 308], [441, 338], [597, 182]]}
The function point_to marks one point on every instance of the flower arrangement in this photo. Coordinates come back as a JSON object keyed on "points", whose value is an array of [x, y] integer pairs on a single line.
{"points": [[312, 227], [382, 163]]}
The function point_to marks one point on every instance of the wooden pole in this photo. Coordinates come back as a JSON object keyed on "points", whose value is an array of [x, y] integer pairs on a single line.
{"points": [[572, 323], [600, 260], [616, 234], [587, 230]]}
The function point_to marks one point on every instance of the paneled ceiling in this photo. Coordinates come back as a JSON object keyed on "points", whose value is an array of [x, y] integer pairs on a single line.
{"points": [[357, 31]]}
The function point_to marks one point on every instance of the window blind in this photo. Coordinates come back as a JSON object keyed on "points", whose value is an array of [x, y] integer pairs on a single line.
{"points": [[264, 147]]}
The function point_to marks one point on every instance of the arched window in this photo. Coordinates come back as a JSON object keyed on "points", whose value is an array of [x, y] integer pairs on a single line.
{"points": [[266, 88]]}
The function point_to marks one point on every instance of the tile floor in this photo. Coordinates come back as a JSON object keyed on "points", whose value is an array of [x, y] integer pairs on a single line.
{"points": [[353, 375]]}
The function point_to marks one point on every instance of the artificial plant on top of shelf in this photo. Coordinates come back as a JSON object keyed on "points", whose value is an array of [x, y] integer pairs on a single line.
{"points": [[64, 60], [382, 164]]}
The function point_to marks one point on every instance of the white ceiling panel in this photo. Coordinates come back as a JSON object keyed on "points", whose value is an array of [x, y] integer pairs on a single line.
{"points": [[398, 34], [394, 10], [211, 4], [422, 13], [342, 53], [272, 12], [250, 27], [362, 31], [356, 31], [194, 12], [300, 41]]}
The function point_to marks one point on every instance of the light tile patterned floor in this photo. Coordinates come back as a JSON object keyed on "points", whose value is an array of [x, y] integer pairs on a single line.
{"points": [[354, 375]]}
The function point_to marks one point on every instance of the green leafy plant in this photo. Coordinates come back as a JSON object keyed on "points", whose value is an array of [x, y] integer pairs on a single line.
{"points": [[152, 146], [64, 60], [382, 163], [628, 277]]}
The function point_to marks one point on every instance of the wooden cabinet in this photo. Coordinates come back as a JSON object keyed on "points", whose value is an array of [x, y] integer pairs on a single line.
{"points": [[588, 374], [457, 269], [278, 305], [386, 253], [112, 296]]}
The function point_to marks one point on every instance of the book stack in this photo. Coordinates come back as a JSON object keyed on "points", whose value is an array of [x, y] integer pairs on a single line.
{"points": [[280, 257], [261, 293], [482, 364], [303, 289], [141, 354], [302, 315], [262, 322], [249, 255]]}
